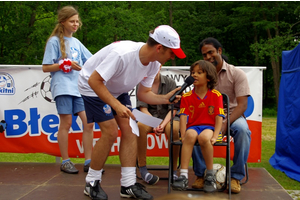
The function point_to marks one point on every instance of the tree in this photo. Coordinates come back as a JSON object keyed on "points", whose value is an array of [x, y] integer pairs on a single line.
{"points": [[278, 34], [252, 33]]}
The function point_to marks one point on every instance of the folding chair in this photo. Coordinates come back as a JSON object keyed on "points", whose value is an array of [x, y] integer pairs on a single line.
{"points": [[247, 175], [224, 143]]}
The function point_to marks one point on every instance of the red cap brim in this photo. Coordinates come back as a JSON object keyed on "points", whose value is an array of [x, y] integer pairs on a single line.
{"points": [[179, 53]]}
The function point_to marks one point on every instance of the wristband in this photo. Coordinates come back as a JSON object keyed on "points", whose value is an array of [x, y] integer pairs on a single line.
{"points": [[65, 65]]}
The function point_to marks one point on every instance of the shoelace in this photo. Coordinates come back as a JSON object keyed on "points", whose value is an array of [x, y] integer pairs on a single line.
{"points": [[141, 186], [69, 164]]}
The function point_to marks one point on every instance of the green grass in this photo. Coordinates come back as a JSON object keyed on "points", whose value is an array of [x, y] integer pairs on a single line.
{"points": [[268, 149]]}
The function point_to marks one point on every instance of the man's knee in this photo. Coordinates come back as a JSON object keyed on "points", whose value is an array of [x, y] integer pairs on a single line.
{"points": [[240, 126], [109, 133]]}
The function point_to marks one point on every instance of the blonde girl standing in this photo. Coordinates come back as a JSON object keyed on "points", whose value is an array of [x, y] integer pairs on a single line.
{"points": [[64, 55]]}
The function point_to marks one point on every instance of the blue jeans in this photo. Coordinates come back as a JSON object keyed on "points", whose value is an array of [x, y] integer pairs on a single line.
{"points": [[240, 132]]}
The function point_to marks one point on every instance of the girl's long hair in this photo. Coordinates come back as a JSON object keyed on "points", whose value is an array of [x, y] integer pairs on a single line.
{"points": [[63, 14]]}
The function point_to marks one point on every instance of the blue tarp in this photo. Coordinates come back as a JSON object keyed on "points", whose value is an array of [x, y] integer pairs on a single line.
{"points": [[287, 150]]}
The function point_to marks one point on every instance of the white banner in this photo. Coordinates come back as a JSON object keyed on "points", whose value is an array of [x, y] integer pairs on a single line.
{"points": [[27, 106], [26, 99]]}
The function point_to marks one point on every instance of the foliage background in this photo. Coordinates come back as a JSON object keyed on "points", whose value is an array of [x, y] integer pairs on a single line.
{"points": [[253, 33]]}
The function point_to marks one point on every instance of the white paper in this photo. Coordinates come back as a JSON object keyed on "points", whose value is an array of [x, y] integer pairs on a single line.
{"points": [[134, 127], [146, 119]]}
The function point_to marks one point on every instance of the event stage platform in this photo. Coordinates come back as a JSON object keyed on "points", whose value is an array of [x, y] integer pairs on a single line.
{"points": [[27, 181]]}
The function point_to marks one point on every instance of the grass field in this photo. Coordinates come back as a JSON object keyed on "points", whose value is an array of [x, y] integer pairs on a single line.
{"points": [[268, 149]]}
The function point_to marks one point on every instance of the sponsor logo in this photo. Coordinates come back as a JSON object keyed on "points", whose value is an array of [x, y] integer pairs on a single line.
{"points": [[202, 105], [19, 123], [7, 84]]}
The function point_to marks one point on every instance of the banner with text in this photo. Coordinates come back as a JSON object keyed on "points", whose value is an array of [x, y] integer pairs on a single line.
{"points": [[32, 121]]}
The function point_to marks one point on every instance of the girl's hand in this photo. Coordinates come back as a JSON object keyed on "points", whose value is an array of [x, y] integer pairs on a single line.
{"points": [[75, 66], [158, 130], [213, 140]]}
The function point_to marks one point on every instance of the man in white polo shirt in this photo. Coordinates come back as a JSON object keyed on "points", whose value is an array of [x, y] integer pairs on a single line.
{"points": [[104, 83]]}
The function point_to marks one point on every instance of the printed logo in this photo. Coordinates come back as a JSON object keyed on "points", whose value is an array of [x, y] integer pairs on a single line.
{"points": [[7, 84], [201, 105], [75, 54], [107, 109], [130, 192], [211, 110]]}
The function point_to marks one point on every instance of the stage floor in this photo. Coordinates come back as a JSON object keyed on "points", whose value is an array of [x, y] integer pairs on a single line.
{"points": [[27, 181]]}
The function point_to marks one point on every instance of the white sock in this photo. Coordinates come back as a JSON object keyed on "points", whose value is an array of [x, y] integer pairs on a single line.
{"points": [[128, 176], [184, 172], [93, 175]]}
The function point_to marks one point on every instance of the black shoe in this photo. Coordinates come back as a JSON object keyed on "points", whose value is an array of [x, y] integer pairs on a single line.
{"points": [[86, 167], [69, 168], [181, 183], [153, 180], [210, 184], [94, 191], [136, 191]]}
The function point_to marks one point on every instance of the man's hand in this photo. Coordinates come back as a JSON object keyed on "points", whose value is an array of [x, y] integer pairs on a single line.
{"points": [[170, 94], [224, 127], [124, 112]]}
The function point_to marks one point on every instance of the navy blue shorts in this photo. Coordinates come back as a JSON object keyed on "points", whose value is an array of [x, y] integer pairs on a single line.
{"points": [[98, 111]]}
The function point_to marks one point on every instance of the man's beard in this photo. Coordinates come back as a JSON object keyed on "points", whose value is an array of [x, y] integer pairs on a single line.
{"points": [[215, 63]]}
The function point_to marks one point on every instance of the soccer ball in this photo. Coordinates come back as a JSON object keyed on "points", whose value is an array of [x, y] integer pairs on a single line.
{"points": [[220, 173], [45, 89]]}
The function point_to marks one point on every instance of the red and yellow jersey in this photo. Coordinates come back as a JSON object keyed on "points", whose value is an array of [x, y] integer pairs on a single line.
{"points": [[202, 111]]}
